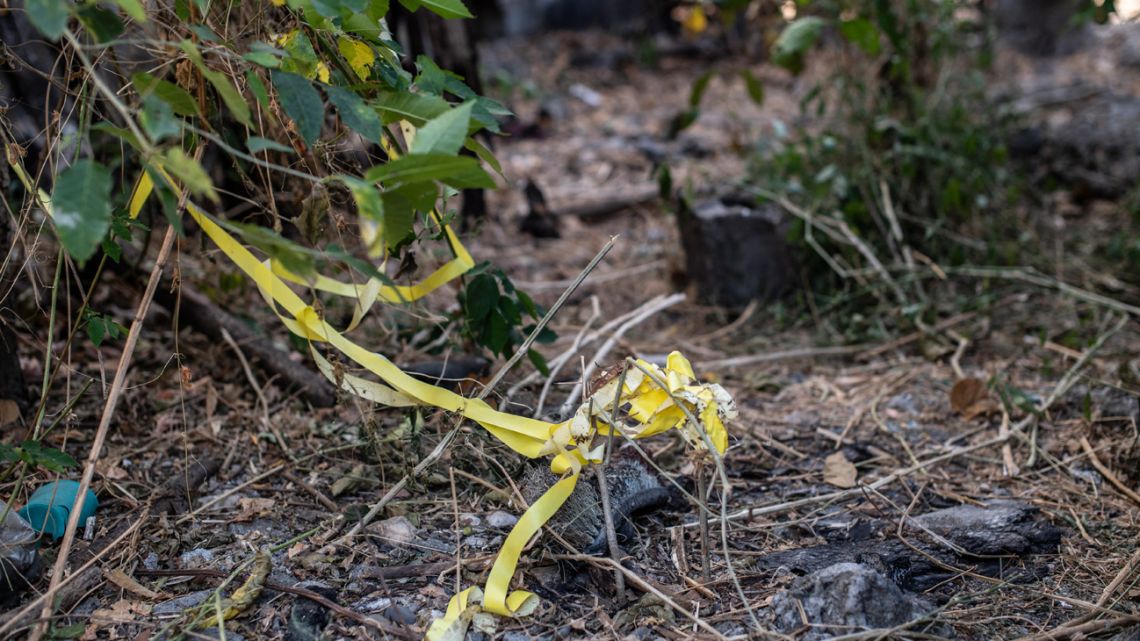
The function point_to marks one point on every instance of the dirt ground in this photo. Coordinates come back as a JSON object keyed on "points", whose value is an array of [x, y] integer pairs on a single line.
{"points": [[209, 461]]}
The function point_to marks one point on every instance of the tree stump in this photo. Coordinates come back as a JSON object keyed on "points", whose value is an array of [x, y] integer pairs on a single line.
{"points": [[735, 251]]}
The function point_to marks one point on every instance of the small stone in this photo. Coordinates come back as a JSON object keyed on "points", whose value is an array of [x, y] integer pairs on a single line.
{"points": [[501, 520], [373, 605], [476, 541], [904, 402], [397, 530], [196, 559], [181, 603], [844, 597], [399, 614]]}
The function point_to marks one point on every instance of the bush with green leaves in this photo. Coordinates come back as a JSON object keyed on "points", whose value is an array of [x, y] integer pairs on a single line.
{"points": [[303, 95], [287, 112], [901, 144]]}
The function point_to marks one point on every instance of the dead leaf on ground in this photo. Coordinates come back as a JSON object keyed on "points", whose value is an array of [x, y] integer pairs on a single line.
{"points": [[125, 581], [970, 398], [250, 508], [9, 411], [122, 611], [838, 471]]}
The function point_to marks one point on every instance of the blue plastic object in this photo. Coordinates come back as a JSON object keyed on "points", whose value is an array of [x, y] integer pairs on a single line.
{"points": [[50, 506]]}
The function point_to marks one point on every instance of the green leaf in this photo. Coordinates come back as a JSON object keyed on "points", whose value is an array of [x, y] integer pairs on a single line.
{"points": [[795, 40], [415, 108], [302, 102], [435, 80], [863, 34], [73, 631], [398, 219], [461, 172], [510, 310], [444, 8], [103, 24], [681, 122], [356, 114], [221, 83], [484, 154], [177, 97], [527, 303], [444, 134], [496, 332], [133, 8], [539, 362], [400, 206], [101, 326], [367, 198], [257, 87], [480, 297], [264, 59], [81, 207], [752, 84], [121, 133], [96, 330], [698, 90], [205, 33], [158, 119], [34, 453], [257, 144], [190, 172], [49, 16]]}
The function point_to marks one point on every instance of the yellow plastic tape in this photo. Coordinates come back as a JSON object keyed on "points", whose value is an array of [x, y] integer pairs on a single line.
{"points": [[651, 406]]}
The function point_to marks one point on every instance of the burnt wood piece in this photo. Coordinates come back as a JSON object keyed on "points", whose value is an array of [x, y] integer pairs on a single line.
{"points": [[987, 540], [845, 597], [734, 252], [634, 487], [538, 222]]}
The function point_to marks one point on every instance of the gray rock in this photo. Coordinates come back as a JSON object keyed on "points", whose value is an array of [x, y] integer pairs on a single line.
{"points": [[307, 619], [985, 534], [845, 597], [196, 559], [399, 614], [999, 527], [501, 520], [175, 606], [214, 633]]}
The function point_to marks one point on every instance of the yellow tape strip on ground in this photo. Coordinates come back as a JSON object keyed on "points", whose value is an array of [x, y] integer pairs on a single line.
{"points": [[652, 406]]}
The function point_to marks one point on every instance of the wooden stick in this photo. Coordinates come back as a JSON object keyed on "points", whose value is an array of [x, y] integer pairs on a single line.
{"points": [[117, 386]]}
